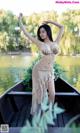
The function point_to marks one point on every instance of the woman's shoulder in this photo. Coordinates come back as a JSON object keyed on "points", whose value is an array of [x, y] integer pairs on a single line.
{"points": [[55, 43]]}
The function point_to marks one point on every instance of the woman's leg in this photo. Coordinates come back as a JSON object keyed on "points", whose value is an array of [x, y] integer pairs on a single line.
{"points": [[51, 90]]}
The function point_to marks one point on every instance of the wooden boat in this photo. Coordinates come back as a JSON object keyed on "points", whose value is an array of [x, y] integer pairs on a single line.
{"points": [[15, 106]]}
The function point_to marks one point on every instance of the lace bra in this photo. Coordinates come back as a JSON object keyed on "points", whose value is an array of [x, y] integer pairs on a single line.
{"points": [[52, 49]]}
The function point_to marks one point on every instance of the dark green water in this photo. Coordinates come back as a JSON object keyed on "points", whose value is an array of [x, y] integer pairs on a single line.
{"points": [[12, 69]]}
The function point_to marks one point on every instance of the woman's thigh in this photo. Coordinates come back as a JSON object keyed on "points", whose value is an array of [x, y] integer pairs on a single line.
{"points": [[51, 89]]}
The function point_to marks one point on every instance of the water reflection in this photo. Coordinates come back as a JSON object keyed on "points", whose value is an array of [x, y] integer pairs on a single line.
{"points": [[72, 67], [9, 77], [12, 69]]}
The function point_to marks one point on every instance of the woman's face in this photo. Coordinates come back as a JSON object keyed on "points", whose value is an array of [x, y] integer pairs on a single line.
{"points": [[43, 33]]}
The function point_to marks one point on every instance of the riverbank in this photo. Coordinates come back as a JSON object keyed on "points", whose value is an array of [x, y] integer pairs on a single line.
{"points": [[12, 68], [30, 53], [17, 53]]}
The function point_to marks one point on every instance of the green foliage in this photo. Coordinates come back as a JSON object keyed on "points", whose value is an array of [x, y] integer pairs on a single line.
{"points": [[75, 128], [77, 83], [58, 72], [28, 75], [44, 117], [71, 122], [70, 40], [9, 37], [21, 47], [34, 48], [69, 44], [10, 48]]}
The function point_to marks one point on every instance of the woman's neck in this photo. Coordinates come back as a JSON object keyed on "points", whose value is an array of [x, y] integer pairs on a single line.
{"points": [[47, 40]]}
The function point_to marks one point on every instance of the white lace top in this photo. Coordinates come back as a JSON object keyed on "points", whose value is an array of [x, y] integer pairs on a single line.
{"points": [[48, 57]]}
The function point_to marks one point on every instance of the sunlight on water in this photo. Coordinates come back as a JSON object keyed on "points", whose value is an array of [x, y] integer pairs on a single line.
{"points": [[14, 61], [12, 69], [72, 66]]}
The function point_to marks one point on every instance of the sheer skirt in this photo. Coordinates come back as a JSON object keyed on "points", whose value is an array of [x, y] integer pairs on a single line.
{"points": [[42, 81]]}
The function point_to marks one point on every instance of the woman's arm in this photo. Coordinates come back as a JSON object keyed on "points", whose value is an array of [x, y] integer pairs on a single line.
{"points": [[60, 31], [33, 39]]}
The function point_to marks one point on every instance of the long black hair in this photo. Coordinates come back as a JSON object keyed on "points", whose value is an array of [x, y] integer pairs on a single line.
{"points": [[48, 30]]}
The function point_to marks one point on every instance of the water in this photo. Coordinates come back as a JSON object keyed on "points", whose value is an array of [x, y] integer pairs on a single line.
{"points": [[72, 67], [12, 69]]}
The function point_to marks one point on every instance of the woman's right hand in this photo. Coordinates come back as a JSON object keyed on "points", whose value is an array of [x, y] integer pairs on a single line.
{"points": [[20, 16], [44, 22], [47, 21]]}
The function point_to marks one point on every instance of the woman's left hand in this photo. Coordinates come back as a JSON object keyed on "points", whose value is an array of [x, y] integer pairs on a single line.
{"points": [[20, 16], [44, 22]]}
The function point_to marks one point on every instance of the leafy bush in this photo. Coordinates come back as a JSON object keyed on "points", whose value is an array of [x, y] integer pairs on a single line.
{"points": [[28, 75], [74, 126], [59, 71], [34, 48], [10, 47]]}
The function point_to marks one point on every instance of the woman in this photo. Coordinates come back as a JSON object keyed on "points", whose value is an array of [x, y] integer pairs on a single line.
{"points": [[42, 73]]}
